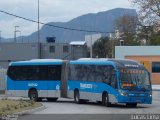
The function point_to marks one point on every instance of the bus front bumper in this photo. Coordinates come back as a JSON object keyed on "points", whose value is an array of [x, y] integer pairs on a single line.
{"points": [[141, 100]]}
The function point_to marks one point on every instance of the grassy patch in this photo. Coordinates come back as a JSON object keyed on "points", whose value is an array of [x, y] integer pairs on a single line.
{"points": [[9, 106]]}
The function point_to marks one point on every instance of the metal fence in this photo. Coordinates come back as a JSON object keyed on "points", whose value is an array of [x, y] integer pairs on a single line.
{"points": [[2, 79]]}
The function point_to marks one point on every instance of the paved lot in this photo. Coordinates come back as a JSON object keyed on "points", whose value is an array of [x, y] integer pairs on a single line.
{"points": [[66, 109], [67, 106]]}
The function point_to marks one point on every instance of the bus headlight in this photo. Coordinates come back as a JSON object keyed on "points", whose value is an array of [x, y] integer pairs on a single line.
{"points": [[122, 93], [150, 95]]}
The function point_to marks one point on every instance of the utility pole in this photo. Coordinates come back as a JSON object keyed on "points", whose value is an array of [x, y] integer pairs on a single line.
{"points": [[91, 51], [38, 24], [15, 33], [39, 44], [0, 36]]}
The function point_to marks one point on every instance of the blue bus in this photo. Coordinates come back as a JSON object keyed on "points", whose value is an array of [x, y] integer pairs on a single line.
{"points": [[109, 81], [35, 79], [102, 80]]}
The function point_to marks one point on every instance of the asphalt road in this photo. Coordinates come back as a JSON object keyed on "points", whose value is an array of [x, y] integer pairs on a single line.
{"points": [[66, 109], [67, 106]]}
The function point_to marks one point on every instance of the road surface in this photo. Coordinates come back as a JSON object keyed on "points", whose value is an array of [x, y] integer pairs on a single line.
{"points": [[66, 109]]}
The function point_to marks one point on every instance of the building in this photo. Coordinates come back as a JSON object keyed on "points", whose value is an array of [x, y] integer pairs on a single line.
{"points": [[78, 49], [149, 56], [26, 51]]}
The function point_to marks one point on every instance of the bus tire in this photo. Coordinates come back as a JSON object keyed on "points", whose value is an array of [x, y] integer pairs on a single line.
{"points": [[33, 95], [39, 100], [52, 99], [105, 100], [76, 97]]}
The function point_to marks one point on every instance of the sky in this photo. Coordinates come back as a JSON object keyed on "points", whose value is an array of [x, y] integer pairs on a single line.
{"points": [[50, 11]]}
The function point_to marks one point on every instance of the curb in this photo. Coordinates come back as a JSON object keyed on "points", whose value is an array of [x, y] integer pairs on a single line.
{"points": [[156, 90], [25, 112]]}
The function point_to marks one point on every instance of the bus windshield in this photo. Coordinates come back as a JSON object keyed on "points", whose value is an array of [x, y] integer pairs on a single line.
{"points": [[134, 79]]}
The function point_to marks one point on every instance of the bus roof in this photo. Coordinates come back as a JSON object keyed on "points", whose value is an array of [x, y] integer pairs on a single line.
{"points": [[122, 63], [38, 62], [127, 63], [92, 61]]}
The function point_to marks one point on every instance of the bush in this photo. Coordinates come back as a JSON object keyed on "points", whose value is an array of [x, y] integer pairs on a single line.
{"points": [[16, 107]]}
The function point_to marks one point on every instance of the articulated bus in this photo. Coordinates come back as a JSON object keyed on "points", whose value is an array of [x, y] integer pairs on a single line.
{"points": [[35, 79], [109, 81], [101, 80]]}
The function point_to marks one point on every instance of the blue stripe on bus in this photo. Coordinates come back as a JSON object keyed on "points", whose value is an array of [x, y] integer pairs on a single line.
{"points": [[26, 85], [99, 87], [95, 87]]}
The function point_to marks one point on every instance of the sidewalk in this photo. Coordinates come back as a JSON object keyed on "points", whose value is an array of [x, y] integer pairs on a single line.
{"points": [[156, 87]]}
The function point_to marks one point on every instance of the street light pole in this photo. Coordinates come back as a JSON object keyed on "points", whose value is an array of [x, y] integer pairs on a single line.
{"points": [[19, 33], [39, 44], [38, 24], [15, 33]]}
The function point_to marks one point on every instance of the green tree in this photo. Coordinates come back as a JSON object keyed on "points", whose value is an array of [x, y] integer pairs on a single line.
{"points": [[102, 48], [155, 39], [149, 11], [149, 17], [127, 26]]}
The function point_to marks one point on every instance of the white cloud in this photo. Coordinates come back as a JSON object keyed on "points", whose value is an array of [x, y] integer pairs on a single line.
{"points": [[50, 11]]}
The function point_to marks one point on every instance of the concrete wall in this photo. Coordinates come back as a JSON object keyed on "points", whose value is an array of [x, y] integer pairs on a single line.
{"points": [[58, 54], [122, 51], [17, 51], [26, 51]]}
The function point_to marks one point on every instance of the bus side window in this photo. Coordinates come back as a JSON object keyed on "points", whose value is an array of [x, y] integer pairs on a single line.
{"points": [[54, 72], [113, 81]]}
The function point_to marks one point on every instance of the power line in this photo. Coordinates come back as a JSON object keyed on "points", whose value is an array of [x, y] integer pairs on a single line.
{"points": [[66, 28]]}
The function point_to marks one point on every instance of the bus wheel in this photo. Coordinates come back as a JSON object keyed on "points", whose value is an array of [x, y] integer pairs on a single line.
{"points": [[33, 95], [131, 105], [76, 97], [105, 100], [52, 99]]}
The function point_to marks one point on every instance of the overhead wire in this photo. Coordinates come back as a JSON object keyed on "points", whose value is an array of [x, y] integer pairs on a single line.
{"points": [[51, 25]]}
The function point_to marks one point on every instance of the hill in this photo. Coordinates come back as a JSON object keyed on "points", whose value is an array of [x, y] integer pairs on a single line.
{"points": [[102, 21]]}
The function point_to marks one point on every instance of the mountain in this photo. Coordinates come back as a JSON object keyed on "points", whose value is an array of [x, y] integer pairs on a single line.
{"points": [[102, 21]]}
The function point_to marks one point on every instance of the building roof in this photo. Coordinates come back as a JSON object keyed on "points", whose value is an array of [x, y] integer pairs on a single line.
{"points": [[77, 43]]}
